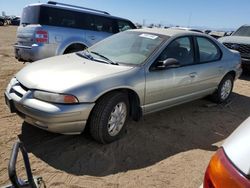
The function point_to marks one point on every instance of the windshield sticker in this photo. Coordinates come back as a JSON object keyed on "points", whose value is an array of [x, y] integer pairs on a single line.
{"points": [[149, 36]]}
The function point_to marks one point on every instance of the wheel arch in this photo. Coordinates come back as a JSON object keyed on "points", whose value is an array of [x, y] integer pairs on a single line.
{"points": [[65, 44], [232, 73], [76, 45], [134, 101]]}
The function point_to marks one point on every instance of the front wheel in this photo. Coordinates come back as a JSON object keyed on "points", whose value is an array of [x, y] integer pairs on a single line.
{"points": [[108, 118], [224, 90]]}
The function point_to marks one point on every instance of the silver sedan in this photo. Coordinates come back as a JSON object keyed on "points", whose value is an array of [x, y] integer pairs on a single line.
{"points": [[130, 74]]}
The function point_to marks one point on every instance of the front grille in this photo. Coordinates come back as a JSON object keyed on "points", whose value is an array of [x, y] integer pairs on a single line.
{"points": [[19, 89], [244, 49]]}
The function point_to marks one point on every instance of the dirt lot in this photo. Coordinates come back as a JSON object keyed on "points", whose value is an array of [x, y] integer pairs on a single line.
{"points": [[170, 148]]}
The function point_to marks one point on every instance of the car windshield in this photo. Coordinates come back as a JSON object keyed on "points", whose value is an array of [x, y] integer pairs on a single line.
{"points": [[129, 47], [243, 31]]}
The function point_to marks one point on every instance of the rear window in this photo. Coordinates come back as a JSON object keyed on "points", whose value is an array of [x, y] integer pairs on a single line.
{"points": [[30, 15]]}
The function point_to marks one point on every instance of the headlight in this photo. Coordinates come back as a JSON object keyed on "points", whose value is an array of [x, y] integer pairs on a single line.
{"points": [[55, 97], [13, 81]]}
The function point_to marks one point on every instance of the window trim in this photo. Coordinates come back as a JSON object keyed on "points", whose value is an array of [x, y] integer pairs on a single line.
{"points": [[198, 50]]}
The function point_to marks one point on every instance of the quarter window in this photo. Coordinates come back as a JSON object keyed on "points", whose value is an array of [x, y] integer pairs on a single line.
{"points": [[180, 49], [208, 51], [123, 25]]}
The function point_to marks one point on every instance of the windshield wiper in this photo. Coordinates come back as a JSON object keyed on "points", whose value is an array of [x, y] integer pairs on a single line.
{"points": [[104, 57], [84, 54]]}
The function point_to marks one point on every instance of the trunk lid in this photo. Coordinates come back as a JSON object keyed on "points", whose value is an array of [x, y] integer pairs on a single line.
{"points": [[26, 34]]}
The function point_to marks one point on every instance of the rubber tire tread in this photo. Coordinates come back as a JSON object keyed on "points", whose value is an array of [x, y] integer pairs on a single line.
{"points": [[100, 114]]}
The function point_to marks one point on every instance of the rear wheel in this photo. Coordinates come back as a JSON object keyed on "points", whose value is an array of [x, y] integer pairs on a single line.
{"points": [[224, 90], [108, 118]]}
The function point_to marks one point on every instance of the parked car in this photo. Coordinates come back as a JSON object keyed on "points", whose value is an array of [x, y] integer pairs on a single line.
{"points": [[56, 28], [217, 34], [129, 74], [240, 41], [15, 20], [230, 165], [2, 21]]}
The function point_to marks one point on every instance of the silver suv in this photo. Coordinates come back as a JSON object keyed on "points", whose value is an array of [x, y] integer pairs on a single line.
{"points": [[56, 28], [240, 41]]}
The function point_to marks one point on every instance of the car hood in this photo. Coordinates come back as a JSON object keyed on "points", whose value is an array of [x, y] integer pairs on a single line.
{"points": [[237, 147], [63, 73], [235, 39]]}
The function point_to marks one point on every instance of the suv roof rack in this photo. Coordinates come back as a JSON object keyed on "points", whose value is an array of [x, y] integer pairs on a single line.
{"points": [[74, 6]]}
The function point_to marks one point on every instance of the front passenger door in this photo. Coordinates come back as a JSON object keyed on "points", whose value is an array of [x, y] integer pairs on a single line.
{"points": [[172, 85]]}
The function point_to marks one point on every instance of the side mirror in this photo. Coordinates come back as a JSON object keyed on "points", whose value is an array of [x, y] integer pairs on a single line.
{"points": [[168, 63]]}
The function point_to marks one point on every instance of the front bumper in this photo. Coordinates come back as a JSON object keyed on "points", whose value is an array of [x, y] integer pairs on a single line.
{"points": [[57, 118]]}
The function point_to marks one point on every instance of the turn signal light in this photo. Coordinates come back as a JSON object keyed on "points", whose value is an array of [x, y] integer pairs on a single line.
{"points": [[68, 99], [221, 173]]}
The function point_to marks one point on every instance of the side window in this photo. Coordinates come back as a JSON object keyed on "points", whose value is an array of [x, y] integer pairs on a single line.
{"points": [[124, 25], [180, 49], [208, 51], [72, 19], [98, 23]]}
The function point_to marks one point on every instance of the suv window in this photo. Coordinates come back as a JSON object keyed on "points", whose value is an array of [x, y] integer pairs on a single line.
{"points": [[208, 51], [124, 25], [74, 19], [30, 15], [53, 17], [98, 23], [180, 49]]}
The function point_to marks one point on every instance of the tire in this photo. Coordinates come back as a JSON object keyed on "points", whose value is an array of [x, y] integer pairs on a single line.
{"points": [[224, 91], [101, 128]]}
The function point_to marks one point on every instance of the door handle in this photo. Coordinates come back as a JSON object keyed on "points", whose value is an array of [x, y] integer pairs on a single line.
{"points": [[193, 74]]}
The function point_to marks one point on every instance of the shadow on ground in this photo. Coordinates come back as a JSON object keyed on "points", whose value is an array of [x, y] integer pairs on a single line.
{"points": [[245, 76], [196, 125]]}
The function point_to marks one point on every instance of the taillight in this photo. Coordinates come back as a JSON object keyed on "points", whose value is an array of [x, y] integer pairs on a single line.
{"points": [[221, 173], [42, 36]]}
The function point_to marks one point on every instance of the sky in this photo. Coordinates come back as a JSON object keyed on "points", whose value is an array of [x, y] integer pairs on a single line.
{"points": [[214, 14]]}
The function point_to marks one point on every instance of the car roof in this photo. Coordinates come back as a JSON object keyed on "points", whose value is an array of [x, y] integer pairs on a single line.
{"points": [[78, 10], [168, 32]]}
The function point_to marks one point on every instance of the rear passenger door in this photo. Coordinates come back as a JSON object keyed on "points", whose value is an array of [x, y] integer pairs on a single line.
{"points": [[99, 29], [209, 67]]}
